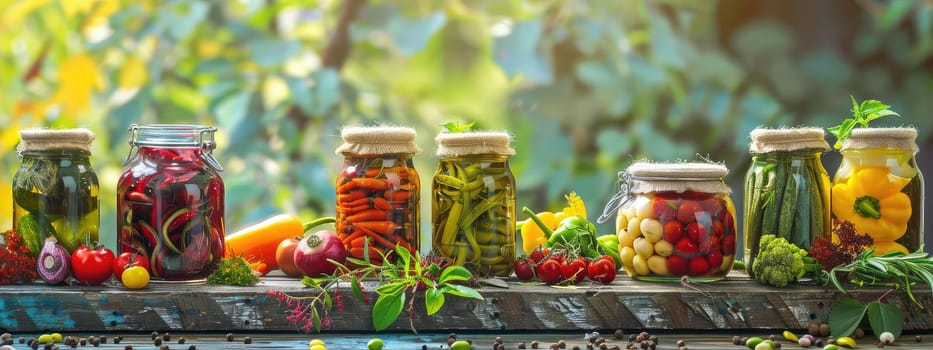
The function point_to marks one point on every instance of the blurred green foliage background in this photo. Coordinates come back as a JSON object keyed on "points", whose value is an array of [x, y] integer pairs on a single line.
{"points": [[586, 87]]}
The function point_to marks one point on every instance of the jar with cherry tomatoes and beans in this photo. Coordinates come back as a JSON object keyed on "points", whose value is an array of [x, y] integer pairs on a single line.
{"points": [[378, 192], [170, 201], [674, 220]]}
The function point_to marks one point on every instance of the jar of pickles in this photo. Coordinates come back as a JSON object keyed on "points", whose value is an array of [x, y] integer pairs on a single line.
{"points": [[473, 202], [674, 220], [786, 188], [879, 189], [378, 192], [170, 201], [55, 189]]}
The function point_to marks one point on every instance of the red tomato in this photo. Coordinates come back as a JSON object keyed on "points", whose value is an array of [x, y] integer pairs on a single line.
{"points": [[696, 232], [538, 255], [548, 271], [673, 231], [126, 260], [664, 210], [728, 245], [686, 213], [677, 265], [523, 269], [602, 270], [697, 266], [92, 266], [285, 256], [574, 270]]}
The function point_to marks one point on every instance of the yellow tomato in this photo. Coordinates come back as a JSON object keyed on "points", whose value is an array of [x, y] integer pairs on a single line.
{"points": [[315, 342], [135, 277]]}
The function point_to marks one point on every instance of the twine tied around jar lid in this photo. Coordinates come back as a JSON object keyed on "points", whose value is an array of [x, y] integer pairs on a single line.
{"points": [[788, 139], [474, 143], [78, 139], [648, 177], [890, 138], [377, 140]]}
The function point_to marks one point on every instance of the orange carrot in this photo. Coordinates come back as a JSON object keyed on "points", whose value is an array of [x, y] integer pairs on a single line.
{"points": [[351, 196], [368, 215], [258, 242], [364, 183], [375, 255], [379, 239], [397, 196], [381, 227], [353, 236]]}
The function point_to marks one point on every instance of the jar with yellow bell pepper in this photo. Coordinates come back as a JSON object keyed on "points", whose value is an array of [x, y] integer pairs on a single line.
{"points": [[674, 220], [879, 189], [473, 202]]}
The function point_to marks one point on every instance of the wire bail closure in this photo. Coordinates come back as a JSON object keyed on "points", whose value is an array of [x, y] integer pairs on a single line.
{"points": [[619, 199]]}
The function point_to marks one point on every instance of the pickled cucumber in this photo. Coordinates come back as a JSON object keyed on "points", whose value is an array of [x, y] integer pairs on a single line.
{"points": [[34, 228]]}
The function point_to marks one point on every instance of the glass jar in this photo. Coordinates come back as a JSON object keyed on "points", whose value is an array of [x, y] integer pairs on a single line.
{"points": [[170, 201], [879, 189], [378, 192], [786, 188], [473, 202], [674, 220], [55, 189]]}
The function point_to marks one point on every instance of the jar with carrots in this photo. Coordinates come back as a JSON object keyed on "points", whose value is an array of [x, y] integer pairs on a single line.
{"points": [[378, 192], [170, 201], [473, 202]]}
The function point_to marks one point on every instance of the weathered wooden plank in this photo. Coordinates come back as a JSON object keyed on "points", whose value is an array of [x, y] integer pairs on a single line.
{"points": [[733, 304]]}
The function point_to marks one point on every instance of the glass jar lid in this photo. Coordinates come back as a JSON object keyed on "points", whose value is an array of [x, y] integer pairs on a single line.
{"points": [[648, 177], [890, 138], [78, 139], [474, 143], [175, 136], [788, 139], [377, 140]]}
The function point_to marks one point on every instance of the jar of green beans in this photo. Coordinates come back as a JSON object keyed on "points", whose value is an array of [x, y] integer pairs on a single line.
{"points": [[786, 188], [473, 202]]}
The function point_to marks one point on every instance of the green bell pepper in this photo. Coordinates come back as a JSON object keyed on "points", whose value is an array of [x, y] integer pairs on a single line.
{"points": [[576, 235]]}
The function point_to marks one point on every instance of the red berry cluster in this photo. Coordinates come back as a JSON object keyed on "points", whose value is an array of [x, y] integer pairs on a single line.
{"points": [[556, 267], [16, 265], [847, 246]]}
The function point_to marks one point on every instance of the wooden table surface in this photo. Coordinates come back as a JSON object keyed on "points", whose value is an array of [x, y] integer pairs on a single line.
{"points": [[734, 304]]}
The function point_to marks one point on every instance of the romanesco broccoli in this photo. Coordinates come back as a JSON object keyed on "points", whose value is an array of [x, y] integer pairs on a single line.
{"points": [[780, 262]]}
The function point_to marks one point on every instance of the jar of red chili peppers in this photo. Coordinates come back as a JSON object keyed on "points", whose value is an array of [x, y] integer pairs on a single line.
{"points": [[674, 220], [378, 192], [170, 201], [473, 202]]}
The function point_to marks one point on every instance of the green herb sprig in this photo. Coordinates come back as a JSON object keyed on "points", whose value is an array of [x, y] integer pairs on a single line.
{"points": [[233, 271], [862, 114], [894, 270], [456, 127]]}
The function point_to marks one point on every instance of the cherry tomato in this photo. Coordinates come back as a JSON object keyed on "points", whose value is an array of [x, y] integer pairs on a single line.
{"points": [[548, 271], [538, 255], [92, 266], [574, 270], [686, 213], [135, 277], [524, 270], [285, 256], [126, 260], [602, 270]]}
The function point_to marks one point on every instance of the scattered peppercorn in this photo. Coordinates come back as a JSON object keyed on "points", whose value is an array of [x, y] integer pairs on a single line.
{"points": [[181, 340], [247, 340], [229, 336]]}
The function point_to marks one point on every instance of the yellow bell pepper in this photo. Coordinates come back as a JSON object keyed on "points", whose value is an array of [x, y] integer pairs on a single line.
{"points": [[871, 199], [532, 235]]}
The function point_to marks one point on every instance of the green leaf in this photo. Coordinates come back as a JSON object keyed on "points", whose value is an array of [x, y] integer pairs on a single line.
{"points": [[516, 53], [845, 316], [355, 288], [391, 288], [454, 273], [387, 309], [231, 110], [495, 282], [455, 127], [433, 300], [462, 291], [316, 319], [884, 317], [404, 261]]}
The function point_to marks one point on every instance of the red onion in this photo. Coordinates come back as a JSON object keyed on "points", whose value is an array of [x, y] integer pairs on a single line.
{"points": [[313, 251], [52, 263]]}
